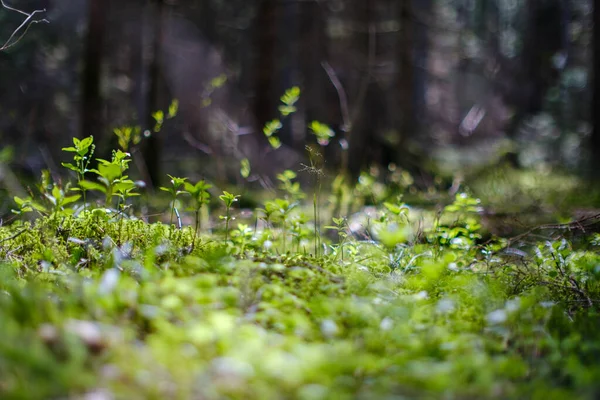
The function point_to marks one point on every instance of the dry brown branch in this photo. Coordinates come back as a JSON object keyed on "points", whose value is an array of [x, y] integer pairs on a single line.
{"points": [[22, 29]]}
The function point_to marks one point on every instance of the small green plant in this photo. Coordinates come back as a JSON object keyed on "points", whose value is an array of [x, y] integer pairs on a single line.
{"points": [[241, 236], [399, 210], [340, 225], [128, 136], [159, 115], [83, 151], [228, 199], [292, 189], [283, 208], [288, 106], [462, 230], [200, 197], [323, 132], [268, 212], [112, 180], [174, 191], [270, 129], [245, 168], [315, 168]]}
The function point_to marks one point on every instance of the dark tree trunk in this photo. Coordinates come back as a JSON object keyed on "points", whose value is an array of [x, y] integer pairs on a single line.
{"points": [[542, 40], [263, 105], [409, 81], [152, 147], [361, 135], [422, 9], [595, 138], [91, 114]]}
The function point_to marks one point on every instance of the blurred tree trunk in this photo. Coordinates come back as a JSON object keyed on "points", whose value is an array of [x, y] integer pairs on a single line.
{"points": [[91, 114], [595, 138], [264, 68], [362, 134], [406, 87], [152, 147], [410, 81], [315, 83], [542, 39], [421, 10]]}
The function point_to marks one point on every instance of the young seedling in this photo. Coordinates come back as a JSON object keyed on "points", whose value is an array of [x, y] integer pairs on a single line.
{"points": [[111, 178], [241, 235], [315, 169], [291, 188], [299, 228], [284, 208], [341, 226], [288, 100], [200, 197], [174, 191], [84, 150], [128, 136], [268, 211], [228, 199]]}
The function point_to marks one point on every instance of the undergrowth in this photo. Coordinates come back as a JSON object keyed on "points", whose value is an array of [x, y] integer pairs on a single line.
{"points": [[327, 300]]}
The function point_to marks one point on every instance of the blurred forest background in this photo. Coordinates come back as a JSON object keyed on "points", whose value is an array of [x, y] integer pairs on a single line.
{"points": [[430, 86]]}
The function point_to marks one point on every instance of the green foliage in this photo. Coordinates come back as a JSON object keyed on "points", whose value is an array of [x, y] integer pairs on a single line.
{"points": [[174, 191], [228, 199], [245, 168], [323, 132], [128, 136], [289, 99], [402, 302], [112, 181], [200, 197]]}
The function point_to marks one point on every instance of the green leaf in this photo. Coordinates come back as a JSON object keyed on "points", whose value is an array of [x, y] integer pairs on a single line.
{"points": [[291, 96], [323, 132], [70, 166], [38, 207], [274, 142], [218, 81], [286, 110], [245, 168], [158, 116], [173, 108], [20, 202], [71, 199], [272, 127], [86, 142], [109, 171], [89, 185]]}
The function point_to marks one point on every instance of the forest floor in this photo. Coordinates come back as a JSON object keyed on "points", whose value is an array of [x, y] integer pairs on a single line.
{"points": [[474, 298]]}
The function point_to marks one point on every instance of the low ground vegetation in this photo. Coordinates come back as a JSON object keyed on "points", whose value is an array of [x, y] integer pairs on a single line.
{"points": [[308, 296]]}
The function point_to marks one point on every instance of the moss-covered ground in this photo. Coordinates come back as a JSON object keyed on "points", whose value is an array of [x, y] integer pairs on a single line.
{"points": [[345, 294], [100, 305]]}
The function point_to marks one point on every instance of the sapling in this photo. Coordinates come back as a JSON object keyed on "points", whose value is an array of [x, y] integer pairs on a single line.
{"points": [[228, 199]]}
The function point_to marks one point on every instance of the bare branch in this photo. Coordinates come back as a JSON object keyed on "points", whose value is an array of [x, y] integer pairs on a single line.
{"points": [[346, 122], [18, 33]]}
